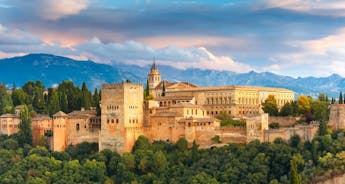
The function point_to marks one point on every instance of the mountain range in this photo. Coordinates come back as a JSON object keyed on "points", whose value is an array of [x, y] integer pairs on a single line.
{"points": [[51, 69]]}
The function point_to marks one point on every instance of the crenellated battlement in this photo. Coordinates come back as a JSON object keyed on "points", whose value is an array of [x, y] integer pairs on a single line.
{"points": [[120, 85]]}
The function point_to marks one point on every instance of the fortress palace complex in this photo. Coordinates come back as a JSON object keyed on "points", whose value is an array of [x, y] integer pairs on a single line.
{"points": [[175, 110], [181, 109]]}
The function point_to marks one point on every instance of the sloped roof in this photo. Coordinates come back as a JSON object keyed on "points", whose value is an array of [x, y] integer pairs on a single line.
{"points": [[59, 114], [162, 98], [166, 114], [41, 117], [185, 104], [254, 88], [7, 115], [83, 113], [175, 85], [199, 120]]}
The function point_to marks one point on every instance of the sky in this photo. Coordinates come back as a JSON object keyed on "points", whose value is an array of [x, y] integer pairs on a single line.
{"points": [[297, 38]]}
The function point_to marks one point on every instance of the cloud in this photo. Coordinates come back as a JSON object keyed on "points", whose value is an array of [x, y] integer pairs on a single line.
{"points": [[50, 9], [318, 7], [269, 35], [128, 52], [16, 37], [326, 44], [18, 42], [195, 41], [53, 9], [318, 57], [132, 52]]}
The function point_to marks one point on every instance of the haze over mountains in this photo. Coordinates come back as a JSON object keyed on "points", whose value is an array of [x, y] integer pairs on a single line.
{"points": [[51, 69]]}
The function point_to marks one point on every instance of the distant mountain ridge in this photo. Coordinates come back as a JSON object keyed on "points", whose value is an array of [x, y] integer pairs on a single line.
{"points": [[51, 69]]}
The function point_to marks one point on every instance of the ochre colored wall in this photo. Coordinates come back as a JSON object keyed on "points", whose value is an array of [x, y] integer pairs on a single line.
{"points": [[59, 133]]}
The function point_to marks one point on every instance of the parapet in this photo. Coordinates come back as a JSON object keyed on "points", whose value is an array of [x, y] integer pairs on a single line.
{"points": [[120, 85]]}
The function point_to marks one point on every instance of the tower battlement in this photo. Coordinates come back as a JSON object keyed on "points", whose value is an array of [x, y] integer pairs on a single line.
{"points": [[120, 85]]}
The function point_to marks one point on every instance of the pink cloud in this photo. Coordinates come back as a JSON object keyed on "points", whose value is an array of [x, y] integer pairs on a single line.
{"points": [[193, 41]]}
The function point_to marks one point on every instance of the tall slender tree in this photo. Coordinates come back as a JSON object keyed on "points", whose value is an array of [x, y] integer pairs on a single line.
{"points": [[163, 90], [147, 89], [86, 97], [53, 104], [95, 100], [25, 132], [295, 177], [341, 101], [63, 102], [38, 97]]}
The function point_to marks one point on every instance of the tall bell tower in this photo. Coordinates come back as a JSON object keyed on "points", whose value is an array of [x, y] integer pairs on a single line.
{"points": [[154, 77]]}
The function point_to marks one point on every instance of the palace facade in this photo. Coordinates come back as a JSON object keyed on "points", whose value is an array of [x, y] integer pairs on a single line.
{"points": [[237, 101]]}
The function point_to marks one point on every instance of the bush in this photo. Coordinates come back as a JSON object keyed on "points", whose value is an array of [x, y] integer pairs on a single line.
{"points": [[216, 139], [274, 125], [234, 123]]}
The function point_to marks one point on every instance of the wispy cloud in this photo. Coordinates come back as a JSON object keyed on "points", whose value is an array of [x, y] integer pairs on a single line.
{"points": [[129, 52], [318, 7], [49, 9]]}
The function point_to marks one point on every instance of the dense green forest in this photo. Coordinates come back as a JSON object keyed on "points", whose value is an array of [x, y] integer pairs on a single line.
{"points": [[164, 162], [65, 97]]}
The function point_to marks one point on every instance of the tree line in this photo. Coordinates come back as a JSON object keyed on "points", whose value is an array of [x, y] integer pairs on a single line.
{"points": [[304, 106], [282, 162], [65, 97]]}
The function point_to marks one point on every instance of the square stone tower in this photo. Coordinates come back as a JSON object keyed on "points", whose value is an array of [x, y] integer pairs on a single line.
{"points": [[337, 116], [59, 131], [121, 117], [256, 127]]}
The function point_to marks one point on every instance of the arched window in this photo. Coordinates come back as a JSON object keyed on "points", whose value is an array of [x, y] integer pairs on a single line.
{"points": [[77, 127]]}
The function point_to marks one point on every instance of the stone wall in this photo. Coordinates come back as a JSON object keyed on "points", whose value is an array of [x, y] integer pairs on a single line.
{"points": [[337, 116], [256, 126], [79, 130], [334, 180], [39, 127], [283, 121], [306, 132], [232, 134]]}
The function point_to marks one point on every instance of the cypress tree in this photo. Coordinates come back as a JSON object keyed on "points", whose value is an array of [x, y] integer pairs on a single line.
{"points": [[53, 105], [86, 97], [322, 128], [195, 153], [341, 101], [14, 87], [96, 99], [163, 90], [25, 132], [295, 177], [147, 90], [63, 102]]}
